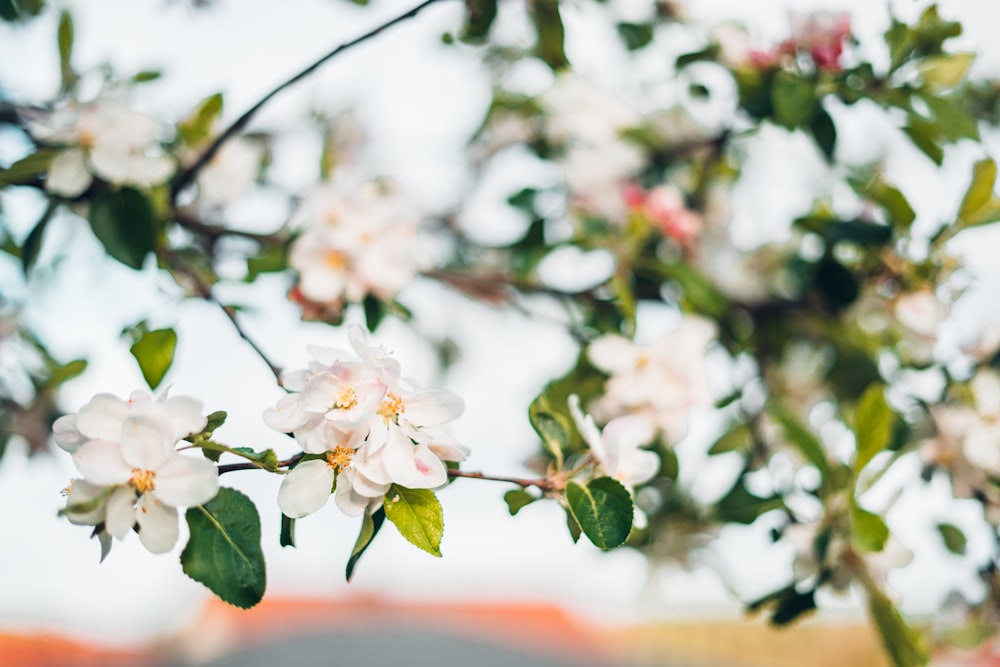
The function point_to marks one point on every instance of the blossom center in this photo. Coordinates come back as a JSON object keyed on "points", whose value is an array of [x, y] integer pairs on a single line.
{"points": [[391, 406], [340, 458], [142, 480], [346, 398], [335, 260]]}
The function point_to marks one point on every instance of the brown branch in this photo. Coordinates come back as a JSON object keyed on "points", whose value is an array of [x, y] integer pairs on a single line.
{"points": [[546, 485], [185, 177], [250, 465]]}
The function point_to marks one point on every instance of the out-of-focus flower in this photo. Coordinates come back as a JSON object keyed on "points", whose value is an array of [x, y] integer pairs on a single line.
{"points": [[126, 452], [230, 172], [659, 382], [355, 243], [106, 139], [372, 429], [822, 35], [618, 447], [664, 206]]}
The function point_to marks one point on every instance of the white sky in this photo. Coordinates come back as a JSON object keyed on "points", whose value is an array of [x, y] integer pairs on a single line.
{"points": [[423, 102]]}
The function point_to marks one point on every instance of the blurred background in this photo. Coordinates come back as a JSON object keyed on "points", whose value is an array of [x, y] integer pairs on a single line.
{"points": [[509, 590]]}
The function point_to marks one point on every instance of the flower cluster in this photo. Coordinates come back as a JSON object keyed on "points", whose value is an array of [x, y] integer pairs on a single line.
{"points": [[363, 428], [355, 243], [104, 139], [133, 475], [659, 383], [664, 207]]}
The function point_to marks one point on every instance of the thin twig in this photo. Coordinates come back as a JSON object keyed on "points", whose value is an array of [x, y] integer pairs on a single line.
{"points": [[187, 175], [543, 484], [250, 465]]}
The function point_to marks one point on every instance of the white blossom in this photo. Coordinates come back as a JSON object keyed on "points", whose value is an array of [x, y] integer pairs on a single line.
{"points": [[106, 139], [230, 172], [355, 243], [364, 427], [618, 447], [659, 382]]}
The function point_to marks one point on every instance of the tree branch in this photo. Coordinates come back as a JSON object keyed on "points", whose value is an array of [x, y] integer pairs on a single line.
{"points": [[185, 177], [543, 484]]}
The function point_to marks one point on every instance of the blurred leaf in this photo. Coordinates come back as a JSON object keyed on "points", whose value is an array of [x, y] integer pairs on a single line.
{"points": [[733, 440], [793, 99], [835, 283], [146, 75], [872, 426], [479, 18], [417, 515], [223, 551], [155, 353], [33, 243], [953, 121], [635, 35], [953, 537], [868, 531], [549, 26], [20, 10], [61, 374], [197, 127], [517, 499], [550, 426], [926, 137], [741, 506], [286, 537], [824, 132], [980, 206], [859, 232], [28, 168], [64, 38], [786, 604], [878, 190], [700, 294], [371, 524], [904, 646], [708, 53], [124, 223], [272, 259], [801, 437], [603, 510], [945, 71]]}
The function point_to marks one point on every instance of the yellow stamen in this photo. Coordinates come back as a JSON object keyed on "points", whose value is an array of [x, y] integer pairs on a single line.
{"points": [[68, 490], [142, 480], [335, 260], [391, 406], [346, 399], [340, 458], [642, 362]]}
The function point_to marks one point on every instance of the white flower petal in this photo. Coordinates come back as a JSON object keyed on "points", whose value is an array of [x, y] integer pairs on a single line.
{"points": [[287, 415], [183, 481], [588, 430], [185, 415], [613, 353], [434, 407], [157, 524], [305, 489], [982, 447], [120, 512], [66, 434], [101, 418], [146, 440], [328, 356], [80, 492], [68, 175], [412, 467], [349, 501], [101, 462]]}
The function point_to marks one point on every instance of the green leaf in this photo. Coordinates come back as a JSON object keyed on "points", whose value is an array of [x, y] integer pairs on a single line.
{"points": [[733, 440], [417, 515], [33, 243], [793, 99], [803, 439], [478, 20], [146, 75], [904, 646], [980, 205], [286, 537], [550, 426], [926, 137], [573, 527], [27, 168], [872, 426], [953, 537], [892, 201], [787, 604], [603, 510], [371, 523], [635, 35], [824, 132], [549, 26], [945, 71], [741, 506], [516, 499], [125, 224], [155, 353], [223, 552], [64, 373], [197, 127], [272, 259], [868, 531], [64, 38]]}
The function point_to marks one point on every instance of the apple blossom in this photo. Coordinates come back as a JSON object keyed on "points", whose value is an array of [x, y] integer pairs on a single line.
{"points": [[363, 428], [127, 449], [230, 172], [658, 382], [354, 243], [106, 139], [618, 447]]}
